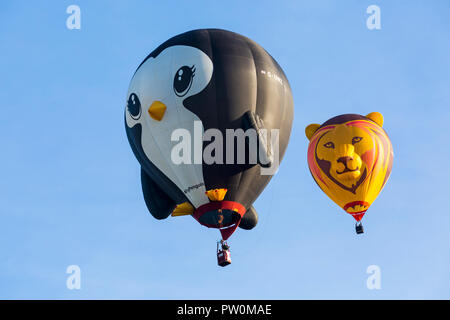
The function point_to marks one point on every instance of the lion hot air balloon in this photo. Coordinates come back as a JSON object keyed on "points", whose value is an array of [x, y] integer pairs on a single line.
{"points": [[207, 112], [350, 157]]}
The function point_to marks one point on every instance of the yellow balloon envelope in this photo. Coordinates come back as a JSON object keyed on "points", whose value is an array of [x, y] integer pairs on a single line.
{"points": [[350, 157]]}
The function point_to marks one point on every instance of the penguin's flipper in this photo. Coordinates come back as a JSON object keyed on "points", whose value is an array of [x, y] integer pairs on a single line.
{"points": [[249, 220], [158, 202], [183, 209]]}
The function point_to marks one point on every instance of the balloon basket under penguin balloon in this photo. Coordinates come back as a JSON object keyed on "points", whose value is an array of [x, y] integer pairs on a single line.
{"points": [[350, 157], [208, 81], [223, 253]]}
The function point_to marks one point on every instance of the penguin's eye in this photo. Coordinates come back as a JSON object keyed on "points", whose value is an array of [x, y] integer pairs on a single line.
{"points": [[183, 80], [134, 106]]}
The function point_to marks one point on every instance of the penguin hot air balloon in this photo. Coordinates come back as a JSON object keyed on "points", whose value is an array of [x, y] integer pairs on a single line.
{"points": [[350, 157], [208, 116]]}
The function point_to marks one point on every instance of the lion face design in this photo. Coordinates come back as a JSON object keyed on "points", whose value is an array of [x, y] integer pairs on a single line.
{"points": [[339, 153], [350, 158]]}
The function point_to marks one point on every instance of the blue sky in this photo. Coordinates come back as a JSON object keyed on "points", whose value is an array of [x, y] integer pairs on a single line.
{"points": [[70, 188]]}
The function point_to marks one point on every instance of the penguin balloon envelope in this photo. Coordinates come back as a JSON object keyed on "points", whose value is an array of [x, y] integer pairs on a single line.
{"points": [[208, 116], [350, 157]]}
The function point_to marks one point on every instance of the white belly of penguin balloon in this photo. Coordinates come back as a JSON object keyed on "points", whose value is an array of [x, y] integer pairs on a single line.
{"points": [[164, 82]]}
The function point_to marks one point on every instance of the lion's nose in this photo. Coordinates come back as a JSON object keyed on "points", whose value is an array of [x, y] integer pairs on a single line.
{"points": [[344, 160], [345, 150]]}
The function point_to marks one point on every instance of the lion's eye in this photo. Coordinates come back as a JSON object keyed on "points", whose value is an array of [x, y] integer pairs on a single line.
{"points": [[329, 145], [356, 140]]}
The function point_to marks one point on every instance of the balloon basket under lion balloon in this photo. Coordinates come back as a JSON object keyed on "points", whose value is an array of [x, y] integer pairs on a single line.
{"points": [[350, 157]]}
